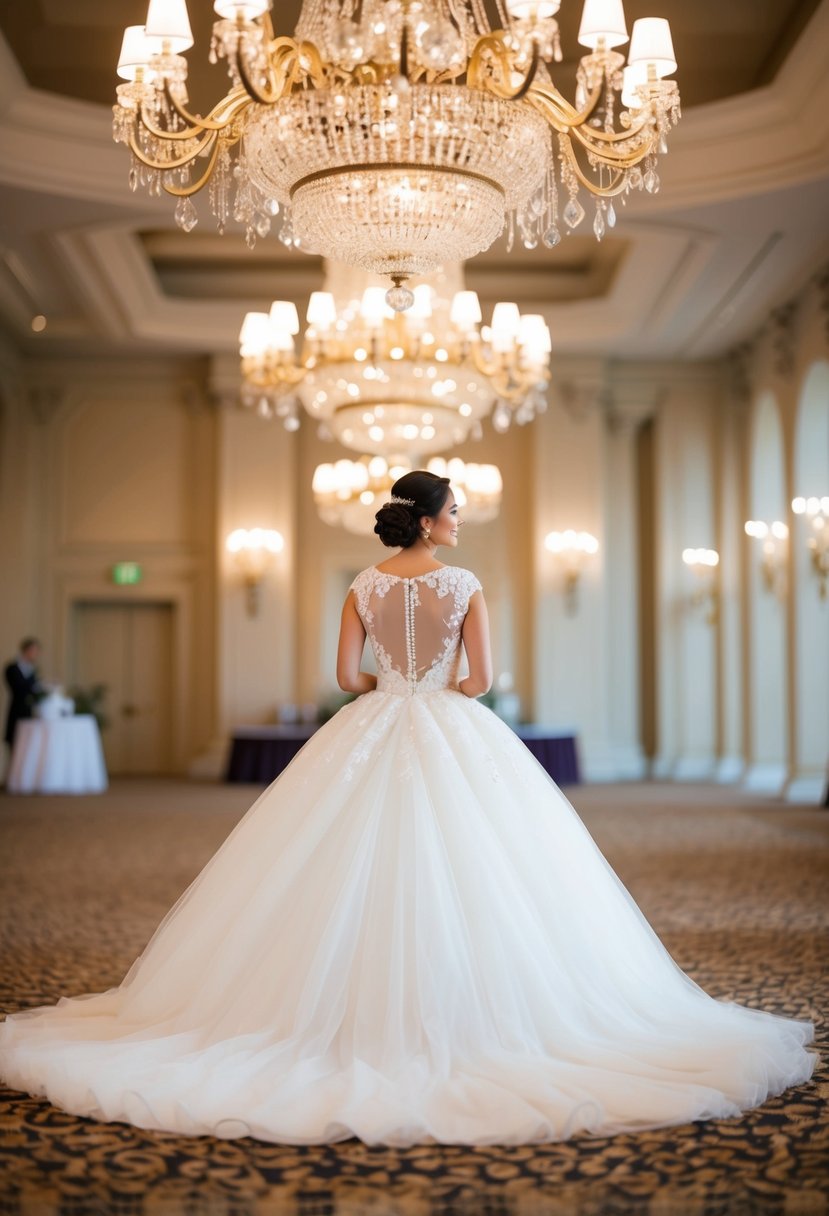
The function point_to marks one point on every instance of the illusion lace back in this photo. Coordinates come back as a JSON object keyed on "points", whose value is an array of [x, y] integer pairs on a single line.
{"points": [[409, 937], [414, 626]]}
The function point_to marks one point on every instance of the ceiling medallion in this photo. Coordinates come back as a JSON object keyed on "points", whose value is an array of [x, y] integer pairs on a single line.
{"points": [[393, 383], [348, 493], [398, 135]]}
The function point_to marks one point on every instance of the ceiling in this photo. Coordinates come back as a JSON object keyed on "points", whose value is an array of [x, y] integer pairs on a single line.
{"points": [[724, 48], [738, 226]]}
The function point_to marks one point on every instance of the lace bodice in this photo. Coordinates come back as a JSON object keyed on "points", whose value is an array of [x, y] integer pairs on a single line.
{"points": [[414, 626]]}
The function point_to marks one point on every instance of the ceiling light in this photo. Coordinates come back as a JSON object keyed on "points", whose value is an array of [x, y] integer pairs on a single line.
{"points": [[403, 139]]}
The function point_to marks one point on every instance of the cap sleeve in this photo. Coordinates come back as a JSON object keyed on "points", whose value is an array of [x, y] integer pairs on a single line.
{"points": [[468, 584], [362, 589]]}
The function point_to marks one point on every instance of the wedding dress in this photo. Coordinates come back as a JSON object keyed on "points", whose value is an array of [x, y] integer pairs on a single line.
{"points": [[409, 937]]}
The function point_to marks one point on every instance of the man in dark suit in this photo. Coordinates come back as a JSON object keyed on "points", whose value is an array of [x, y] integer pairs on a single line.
{"points": [[21, 677]]}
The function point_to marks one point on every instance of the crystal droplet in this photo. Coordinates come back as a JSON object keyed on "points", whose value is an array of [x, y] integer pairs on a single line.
{"points": [[262, 224], [599, 224], [529, 240], [573, 213], [651, 182], [250, 237], [551, 237], [511, 232], [399, 298], [185, 214], [133, 178], [610, 216]]}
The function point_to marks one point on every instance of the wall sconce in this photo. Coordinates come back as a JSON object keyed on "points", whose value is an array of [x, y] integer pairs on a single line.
{"points": [[817, 511], [570, 549], [704, 562], [773, 560], [253, 551]]}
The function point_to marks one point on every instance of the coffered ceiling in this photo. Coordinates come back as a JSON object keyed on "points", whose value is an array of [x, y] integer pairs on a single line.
{"points": [[739, 225]]}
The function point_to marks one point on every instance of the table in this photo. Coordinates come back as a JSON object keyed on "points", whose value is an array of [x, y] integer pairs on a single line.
{"points": [[58, 756], [258, 754]]}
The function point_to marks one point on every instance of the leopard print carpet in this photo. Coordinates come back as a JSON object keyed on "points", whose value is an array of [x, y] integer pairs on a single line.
{"points": [[735, 886]]}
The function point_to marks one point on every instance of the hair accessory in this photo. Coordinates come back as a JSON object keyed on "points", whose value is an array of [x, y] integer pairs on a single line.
{"points": [[401, 502]]}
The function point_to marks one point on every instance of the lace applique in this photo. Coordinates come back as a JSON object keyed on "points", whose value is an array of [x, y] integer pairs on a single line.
{"points": [[361, 754]]}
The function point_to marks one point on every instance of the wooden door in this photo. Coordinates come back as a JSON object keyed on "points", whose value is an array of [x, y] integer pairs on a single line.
{"points": [[129, 649]]}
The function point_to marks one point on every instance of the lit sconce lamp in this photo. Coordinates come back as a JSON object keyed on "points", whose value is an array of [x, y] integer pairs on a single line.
{"points": [[704, 562], [254, 550], [817, 512], [571, 549], [773, 561]]}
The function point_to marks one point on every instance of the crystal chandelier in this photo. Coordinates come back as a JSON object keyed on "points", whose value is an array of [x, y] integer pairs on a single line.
{"points": [[348, 493], [393, 383], [399, 135]]}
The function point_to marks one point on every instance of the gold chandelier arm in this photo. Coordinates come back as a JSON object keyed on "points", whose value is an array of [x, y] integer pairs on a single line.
{"points": [[219, 116], [605, 139], [612, 156], [194, 187], [558, 112], [479, 362], [279, 375], [285, 57], [491, 47], [210, 138], [615, 187]]}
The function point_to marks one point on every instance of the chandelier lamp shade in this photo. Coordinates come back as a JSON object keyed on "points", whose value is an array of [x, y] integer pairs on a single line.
{"points": [[348, 493], [399, 135], [390, 383]]}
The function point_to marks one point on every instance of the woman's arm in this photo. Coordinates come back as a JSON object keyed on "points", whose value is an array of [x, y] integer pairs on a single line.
{"points": [[350, 651], [475, 636]]}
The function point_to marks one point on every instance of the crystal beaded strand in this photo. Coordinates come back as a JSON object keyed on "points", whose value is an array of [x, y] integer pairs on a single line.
{"points": [[552, 236]]}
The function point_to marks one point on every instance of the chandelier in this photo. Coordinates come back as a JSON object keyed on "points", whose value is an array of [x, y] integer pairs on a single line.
{"points": [[399, 135], [392, 383], [348, 493]]}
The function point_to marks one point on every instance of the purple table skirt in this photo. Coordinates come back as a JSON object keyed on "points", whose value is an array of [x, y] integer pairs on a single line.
{"points": [[258, 754]]}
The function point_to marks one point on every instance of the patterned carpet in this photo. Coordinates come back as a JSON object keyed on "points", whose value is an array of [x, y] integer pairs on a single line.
{"points": [[735, 886]]}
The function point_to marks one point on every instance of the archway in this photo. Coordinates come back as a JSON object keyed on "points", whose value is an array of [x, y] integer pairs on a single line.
{"points": [[768, 733], [811, 655]]}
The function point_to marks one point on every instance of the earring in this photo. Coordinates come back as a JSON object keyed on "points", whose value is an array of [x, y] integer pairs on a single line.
{"points": [[426, 533]]}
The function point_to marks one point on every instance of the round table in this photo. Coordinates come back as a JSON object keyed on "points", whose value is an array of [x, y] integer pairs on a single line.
{"points": [[58, 756]]}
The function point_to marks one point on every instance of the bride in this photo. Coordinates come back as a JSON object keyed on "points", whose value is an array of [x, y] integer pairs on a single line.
{"points": [[411, 935]]}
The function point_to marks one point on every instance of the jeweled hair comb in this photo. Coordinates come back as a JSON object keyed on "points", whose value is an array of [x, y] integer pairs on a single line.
{"points": [[401, 502]]}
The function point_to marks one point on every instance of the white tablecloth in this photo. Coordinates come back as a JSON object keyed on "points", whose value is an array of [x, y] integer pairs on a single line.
{"points": [[63, 756]]}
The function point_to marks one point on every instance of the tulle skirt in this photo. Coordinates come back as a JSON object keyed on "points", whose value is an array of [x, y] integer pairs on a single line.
{"points": [[409, 937]]}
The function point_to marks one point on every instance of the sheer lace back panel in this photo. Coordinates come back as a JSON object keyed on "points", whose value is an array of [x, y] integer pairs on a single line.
{"points": [[414, 626]]}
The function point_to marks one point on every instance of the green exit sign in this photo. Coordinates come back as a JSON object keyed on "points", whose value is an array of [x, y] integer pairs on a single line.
{"points": [[127, 574]]}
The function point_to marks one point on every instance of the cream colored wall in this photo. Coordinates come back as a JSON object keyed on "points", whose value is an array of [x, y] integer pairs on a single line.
{"points": [[105, 462]]}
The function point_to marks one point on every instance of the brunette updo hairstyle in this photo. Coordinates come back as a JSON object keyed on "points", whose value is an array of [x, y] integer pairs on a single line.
{"points": [[398, 525]]}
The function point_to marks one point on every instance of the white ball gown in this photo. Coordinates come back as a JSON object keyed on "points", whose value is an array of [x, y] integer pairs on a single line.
{"points": [[409, 937]]}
